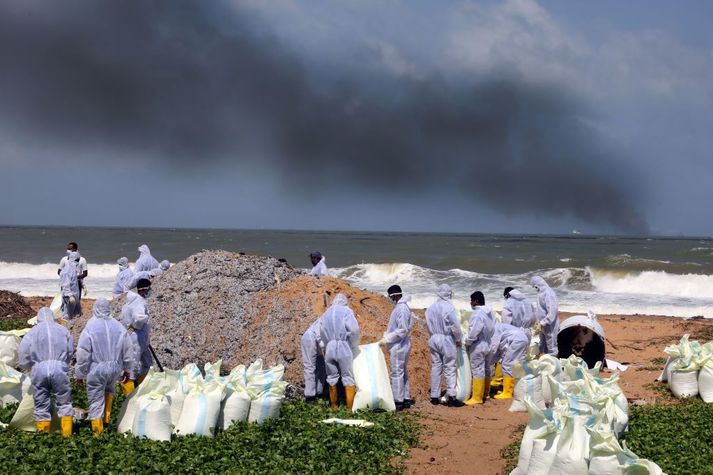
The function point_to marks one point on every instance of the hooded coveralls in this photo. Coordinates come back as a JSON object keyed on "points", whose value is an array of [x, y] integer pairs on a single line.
{"points": [[517, 311], [339, 331], [399, 343], [509, 343], [547, 315], [444, 329], [313, 361], [135, 317]]}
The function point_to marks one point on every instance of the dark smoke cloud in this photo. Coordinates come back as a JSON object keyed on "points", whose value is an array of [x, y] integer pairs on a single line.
{"points": [[198, 84]]}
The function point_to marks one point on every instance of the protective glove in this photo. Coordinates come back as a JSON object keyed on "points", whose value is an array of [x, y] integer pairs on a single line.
{"points": [[72, 300], [382, 342], [84, 291], [125, 377]]}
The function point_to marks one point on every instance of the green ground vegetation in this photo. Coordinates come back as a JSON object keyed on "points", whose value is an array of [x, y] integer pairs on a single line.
{"points": [[296, 442]]}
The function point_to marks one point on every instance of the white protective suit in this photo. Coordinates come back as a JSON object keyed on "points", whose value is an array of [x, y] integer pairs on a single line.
{"points": [[47, 350], [517, 311], [339, 331], [146, 261], [69, 288], [104, 352], [135, 317], [320, 269], [398, 340], [123, 278], [481, 327], [313, 360], [547, 315], [509, 344], [444, 329]]}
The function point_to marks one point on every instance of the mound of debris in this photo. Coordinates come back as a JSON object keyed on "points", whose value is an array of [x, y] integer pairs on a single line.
{"points": [[222, 305], [14, 305]]}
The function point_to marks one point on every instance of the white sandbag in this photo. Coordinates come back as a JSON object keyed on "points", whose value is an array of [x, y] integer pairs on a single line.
{"points": [[464, 376], [606, 456], [153, 417], [235, 407], [265, 407], [683, 383], [544, 450], [528, 386], [24, 417], [371, 376], [538, 424], [130, 405], [56, 306], [642, 467], [201, 409], [549, 367], [705, 381], [9, 346], [259, 379], [663, 377], [572, 448], [14, 385], [185, 380]]}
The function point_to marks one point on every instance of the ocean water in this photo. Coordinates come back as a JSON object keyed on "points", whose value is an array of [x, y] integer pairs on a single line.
{"points": [[612, 275]]}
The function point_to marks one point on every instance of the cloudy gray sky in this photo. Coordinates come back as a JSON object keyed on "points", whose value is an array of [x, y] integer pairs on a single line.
{"points": [[513, 116]]}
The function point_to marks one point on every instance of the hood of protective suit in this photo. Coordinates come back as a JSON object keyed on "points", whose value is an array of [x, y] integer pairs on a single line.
{"points": [[538, 283], [123, 262], [164, 265], [45, 315], [101, 309], [444, 291], [405, 299], [340, 299], [144, 249], [517, 295]]}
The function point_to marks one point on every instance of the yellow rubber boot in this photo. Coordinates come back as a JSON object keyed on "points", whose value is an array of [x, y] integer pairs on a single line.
{"points": [[351, 392], [66, 425], [43, 426], [477, 395], [127, 387], [333, 397], [486, 389], [97, 427], [498, 378], [108, 401], [508, 388]]}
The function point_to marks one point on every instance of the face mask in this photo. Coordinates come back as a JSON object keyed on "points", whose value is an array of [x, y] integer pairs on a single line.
{"points": [[148, 294], [473, 306], [68, 252]]}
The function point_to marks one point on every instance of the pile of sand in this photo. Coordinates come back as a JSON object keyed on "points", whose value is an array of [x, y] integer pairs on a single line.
{"points": [[222, 305], [14, 305]]}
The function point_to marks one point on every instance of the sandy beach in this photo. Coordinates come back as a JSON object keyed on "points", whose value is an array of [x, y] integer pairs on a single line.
{"points": [[457, 440]]}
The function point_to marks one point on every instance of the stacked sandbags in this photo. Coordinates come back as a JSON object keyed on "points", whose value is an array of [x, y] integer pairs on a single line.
{"points": [[266, 390], [236, 404], [528, 377], [579, 432], [689, 369], [372, 380]]}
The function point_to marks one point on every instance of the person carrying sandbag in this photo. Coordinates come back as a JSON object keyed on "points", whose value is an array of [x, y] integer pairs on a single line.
{"points": [[339, 331], [481, 327], [104, 352], [46, 350]]}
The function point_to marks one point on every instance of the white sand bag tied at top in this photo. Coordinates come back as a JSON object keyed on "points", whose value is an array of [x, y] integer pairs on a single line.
{"points": [[153, 417], [685, 359], [372, 380], [579, 434], [529, 384], [266, 390]]}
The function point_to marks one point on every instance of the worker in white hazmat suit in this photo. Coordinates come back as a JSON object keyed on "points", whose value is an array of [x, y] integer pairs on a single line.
{"points": [[509, 345], [69, 287], [313, 362], [445, 335], [135, 318], [319, 266], [339, 331], [398, 340], [123, 277], [547, 315], [517, 310], [46, 351], [146, 261], [104, 354], [481, 327]]}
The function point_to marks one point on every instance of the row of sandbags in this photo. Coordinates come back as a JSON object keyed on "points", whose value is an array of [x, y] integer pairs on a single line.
{"points": [[689, 369], [185, 402], [577, 431]]}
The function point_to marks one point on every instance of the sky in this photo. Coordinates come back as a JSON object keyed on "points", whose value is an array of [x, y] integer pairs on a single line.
{"points": [[512, 116]]}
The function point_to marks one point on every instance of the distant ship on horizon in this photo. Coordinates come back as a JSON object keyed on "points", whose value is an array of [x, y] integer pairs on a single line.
{"points": [[576, 231]]}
